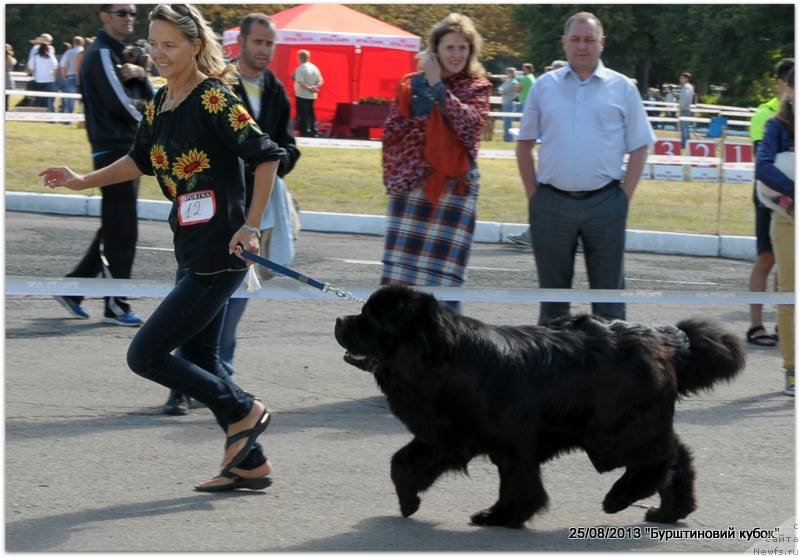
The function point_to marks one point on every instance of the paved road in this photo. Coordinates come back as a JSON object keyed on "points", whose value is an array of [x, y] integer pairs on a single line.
{"points": [[91, 465]]}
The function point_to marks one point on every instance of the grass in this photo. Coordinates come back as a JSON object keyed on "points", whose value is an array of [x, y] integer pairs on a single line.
{"points": [[350, 181]]}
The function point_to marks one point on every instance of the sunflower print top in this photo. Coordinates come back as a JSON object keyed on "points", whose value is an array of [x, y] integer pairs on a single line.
{"points": [[193, 151]]}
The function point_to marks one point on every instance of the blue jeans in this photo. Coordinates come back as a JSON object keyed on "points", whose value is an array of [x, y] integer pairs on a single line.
{"points": [[190, 318], [685, 127], [47, 102], [507, 121], [234, 311], [70, 86]]}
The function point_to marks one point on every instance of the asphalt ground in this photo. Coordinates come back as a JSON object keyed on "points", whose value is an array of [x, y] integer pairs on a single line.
{"points": [[92, 465]]}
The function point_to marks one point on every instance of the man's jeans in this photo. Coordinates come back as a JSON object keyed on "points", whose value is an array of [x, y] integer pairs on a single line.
{"points": [[507, 121], [685, 127], [71, 86], [227, 340]]}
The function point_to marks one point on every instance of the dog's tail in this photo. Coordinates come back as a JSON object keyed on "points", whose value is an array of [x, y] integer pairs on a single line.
{"points": [[714, 355]]}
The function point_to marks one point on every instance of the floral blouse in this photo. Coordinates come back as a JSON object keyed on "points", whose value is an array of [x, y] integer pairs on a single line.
{"points": [[465, 101], [193, 150]]}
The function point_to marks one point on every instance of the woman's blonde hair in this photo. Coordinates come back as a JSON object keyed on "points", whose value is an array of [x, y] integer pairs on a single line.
{"points": [[191, 23], [458, 23]]}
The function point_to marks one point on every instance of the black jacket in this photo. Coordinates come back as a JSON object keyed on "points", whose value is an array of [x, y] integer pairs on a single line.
{"points": [[274, 121], [111, 116]]}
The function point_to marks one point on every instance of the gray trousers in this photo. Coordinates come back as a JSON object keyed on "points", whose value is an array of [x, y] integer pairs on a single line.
{"points": [[557, 221]]}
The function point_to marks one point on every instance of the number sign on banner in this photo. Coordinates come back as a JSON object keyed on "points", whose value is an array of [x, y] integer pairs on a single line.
{"points": [[738, 152], [667, 147], [673, 149], [701, 148], [703, 173]]}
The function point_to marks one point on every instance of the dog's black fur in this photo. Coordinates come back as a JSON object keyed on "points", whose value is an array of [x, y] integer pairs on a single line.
{"points": [[524, 395]]}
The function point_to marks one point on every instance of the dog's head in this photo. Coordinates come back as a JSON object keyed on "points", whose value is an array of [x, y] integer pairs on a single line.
{"points": [[397, 325]]}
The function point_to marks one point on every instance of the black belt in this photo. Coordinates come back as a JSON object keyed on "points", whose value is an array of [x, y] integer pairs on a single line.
{"points": [[583, 194]]}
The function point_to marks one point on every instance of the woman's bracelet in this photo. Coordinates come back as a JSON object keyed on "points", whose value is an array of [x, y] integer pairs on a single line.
{"points": [[252, 229]]}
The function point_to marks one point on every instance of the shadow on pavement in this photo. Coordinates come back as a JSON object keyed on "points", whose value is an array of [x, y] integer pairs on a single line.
{"points": [[348, 419], [43, 533], [761, 405], [49, 327], [59, 427], [394, 533]]}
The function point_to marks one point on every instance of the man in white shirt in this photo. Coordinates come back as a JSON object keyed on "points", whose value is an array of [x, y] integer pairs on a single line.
{"points": [[69, 71], [307, 83], [587, 117], [685, 101]]}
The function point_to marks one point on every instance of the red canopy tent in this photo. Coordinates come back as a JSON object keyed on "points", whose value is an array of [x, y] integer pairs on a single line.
{"points": [[359, 56]]}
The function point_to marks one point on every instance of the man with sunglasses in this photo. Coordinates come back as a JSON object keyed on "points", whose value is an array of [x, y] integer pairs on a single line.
{"points": [[111, 123]]}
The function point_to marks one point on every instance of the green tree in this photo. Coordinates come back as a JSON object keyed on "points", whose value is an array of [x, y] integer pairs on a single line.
{"points": [[733, 44], [502, 35], [736, 45]]}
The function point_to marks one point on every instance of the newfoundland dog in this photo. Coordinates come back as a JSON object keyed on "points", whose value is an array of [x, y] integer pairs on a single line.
{"points": [[524, 395]]}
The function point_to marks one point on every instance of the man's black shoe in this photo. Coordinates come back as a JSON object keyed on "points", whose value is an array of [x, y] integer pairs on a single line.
{"points": [[177, 404]]}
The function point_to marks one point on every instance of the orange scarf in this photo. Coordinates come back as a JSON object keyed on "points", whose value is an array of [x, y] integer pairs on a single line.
{"points": [[444, 152]]}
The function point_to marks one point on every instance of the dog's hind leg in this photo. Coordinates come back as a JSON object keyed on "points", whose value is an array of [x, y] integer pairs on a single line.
{"points": [[677, 495], [522, 494], [415, 467]]}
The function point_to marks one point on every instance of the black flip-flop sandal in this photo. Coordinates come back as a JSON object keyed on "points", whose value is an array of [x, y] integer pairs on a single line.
{"points": [[238, 482], [758, 336], [251, 434]]}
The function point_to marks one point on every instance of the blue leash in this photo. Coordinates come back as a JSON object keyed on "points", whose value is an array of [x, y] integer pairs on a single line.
{"points": [[288, 272]]}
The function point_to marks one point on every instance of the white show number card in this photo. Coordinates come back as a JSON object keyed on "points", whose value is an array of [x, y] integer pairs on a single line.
{"points": [[196, 207]]}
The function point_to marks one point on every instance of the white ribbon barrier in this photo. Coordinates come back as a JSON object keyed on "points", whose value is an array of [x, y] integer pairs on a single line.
{"points": [[43, 94], [46, 116], [285, 289]]}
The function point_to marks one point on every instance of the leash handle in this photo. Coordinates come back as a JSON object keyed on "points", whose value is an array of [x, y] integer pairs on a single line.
{"points": [[274, 266], [288, 272]]}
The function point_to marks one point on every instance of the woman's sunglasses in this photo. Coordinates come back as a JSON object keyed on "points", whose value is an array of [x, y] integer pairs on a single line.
{"points": [[123, 13]]}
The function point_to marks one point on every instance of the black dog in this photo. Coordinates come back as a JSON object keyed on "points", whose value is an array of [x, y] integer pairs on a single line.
{"points": [[524, 395]]}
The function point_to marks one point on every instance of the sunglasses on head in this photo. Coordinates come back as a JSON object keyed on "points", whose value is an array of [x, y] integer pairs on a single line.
{"points": [[123, 13], [182, 9]]}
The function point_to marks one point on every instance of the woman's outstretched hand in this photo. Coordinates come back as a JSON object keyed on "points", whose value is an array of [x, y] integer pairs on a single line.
{"points": [[55, 177]]}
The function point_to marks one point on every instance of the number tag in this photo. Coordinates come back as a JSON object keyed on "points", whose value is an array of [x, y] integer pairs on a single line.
{"points": [[196, 207]]}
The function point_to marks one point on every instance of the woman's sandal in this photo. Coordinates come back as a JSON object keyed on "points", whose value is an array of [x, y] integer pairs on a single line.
{"points": [[758, 336], [237, 482], [250, 434]]}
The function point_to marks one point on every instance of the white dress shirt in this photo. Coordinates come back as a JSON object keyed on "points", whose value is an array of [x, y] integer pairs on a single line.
{"points": [[586, 127]]}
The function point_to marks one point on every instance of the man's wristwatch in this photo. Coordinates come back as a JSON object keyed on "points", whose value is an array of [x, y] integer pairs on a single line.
{"points": [[252, 229]]}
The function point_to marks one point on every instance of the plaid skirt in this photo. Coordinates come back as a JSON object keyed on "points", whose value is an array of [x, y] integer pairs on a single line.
{"points": [[426, 245]]}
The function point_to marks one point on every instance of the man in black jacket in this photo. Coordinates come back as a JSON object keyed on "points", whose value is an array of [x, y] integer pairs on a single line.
{"points": [[266, 100], [111, 123]]}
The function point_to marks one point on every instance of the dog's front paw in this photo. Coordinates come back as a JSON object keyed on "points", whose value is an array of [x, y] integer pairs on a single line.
{"points": [[491, 517], [409, 505]]}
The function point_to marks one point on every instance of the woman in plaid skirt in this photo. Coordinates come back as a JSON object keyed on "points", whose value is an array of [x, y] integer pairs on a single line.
{"points": [[430, 144]]}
